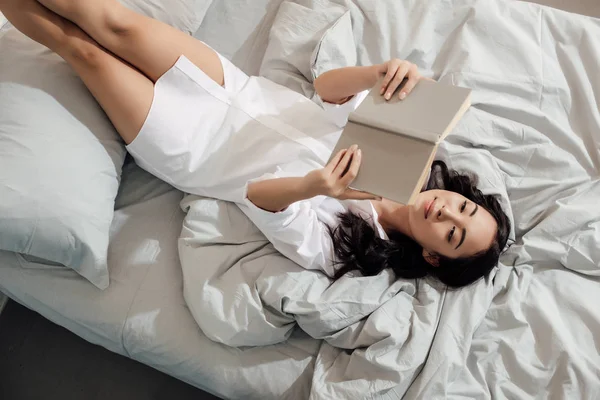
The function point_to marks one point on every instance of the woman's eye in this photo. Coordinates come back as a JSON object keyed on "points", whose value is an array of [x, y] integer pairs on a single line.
{"points": [[451, 234], [462, 208]]}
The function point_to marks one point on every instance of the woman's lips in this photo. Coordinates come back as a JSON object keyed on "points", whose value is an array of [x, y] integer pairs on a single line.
{"points": [[428, 207]]}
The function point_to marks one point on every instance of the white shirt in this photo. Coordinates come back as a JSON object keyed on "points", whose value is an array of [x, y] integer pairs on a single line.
{"points": [[300, 232]]}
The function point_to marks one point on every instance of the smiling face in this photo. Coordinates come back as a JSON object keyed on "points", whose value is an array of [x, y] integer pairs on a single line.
{"points": [[449, 224]]}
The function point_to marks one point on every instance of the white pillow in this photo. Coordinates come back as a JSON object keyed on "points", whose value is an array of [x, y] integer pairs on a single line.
{"points": [[60, 163], [248, 24], [294, 37], [2, 20], [335, 49]]}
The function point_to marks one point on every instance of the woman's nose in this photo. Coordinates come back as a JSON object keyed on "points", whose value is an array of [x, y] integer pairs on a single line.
{"points": [[447, 214]]}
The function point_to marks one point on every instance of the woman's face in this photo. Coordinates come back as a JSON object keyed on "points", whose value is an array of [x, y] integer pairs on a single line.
{"points": [[449, 224]]}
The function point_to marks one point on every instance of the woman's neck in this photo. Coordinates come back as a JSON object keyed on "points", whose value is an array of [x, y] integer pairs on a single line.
{"points": [[392, 216]]}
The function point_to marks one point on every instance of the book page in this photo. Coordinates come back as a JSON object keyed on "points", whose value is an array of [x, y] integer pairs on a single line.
{"points": [[392, 165], [425, 114]]}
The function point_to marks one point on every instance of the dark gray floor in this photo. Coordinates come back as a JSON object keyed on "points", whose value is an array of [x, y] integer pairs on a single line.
{"points": [[41, 360]]}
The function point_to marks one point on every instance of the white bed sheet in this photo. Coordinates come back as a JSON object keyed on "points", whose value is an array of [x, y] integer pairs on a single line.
{"points": [[531, 330]]}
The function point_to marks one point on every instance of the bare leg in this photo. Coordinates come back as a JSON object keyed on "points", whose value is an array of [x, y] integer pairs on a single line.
{"points": [[150, 45], [123, 92]]}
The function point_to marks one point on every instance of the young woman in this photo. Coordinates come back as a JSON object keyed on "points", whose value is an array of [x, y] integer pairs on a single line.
{"points": [[190, 117]]}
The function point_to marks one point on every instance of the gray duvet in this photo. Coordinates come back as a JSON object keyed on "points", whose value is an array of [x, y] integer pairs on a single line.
{"points": [[530, 330]]}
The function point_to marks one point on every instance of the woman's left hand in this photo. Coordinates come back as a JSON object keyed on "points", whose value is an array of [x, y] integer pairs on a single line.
{"points": [[334, 180], [396, 71]]}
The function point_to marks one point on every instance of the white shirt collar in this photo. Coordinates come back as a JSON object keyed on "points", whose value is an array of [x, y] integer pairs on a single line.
{"points": [[367, 207]]}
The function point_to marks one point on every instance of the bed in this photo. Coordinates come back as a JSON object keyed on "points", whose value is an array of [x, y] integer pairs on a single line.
{"points": [[531, 330]]}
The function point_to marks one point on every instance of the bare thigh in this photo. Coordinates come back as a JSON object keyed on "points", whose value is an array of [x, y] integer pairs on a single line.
{"points": [[148, 44], [123, 92]]}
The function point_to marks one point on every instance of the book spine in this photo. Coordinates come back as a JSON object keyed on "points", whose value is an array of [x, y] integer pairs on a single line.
{"points": [[424, 175]]}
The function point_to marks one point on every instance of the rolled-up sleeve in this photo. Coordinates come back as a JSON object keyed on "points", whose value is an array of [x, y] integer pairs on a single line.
{"points": [[295, 232], [339, 113]]}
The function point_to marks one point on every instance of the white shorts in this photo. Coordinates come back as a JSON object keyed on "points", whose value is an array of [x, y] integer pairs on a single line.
{"points": [[210, 140], [186, 102]]}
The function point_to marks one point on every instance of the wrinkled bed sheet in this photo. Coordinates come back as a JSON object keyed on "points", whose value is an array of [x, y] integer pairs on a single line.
{"points": [[533, 136]]}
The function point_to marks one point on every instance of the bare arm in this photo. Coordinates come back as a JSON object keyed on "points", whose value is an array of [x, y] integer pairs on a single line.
{"points": [[277, 194], [339, 85]]}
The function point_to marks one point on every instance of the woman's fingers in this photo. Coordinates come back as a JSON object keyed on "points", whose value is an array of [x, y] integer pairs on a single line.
{"points": [[353, 168], [342, 166], [344, 174], [413, 79], [397, 71], [330, 167], [389, 75], [397, 80]]}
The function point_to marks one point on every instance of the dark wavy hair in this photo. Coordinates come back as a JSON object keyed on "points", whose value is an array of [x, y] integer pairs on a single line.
{"points": [[357, 247]]}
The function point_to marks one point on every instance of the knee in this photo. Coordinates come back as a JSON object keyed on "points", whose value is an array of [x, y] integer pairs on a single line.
{"points": [[118, 20], [82, 49], [108, 17]]}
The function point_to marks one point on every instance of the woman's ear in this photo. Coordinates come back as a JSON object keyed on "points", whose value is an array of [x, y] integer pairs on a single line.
{"points": [[431, 258]]}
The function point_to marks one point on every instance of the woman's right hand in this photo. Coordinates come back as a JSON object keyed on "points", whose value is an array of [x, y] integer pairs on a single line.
{"points": [[334, 180], [396, 71]]}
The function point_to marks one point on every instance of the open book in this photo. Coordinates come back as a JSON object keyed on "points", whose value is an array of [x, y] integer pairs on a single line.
{"points": [[399, 138]]}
